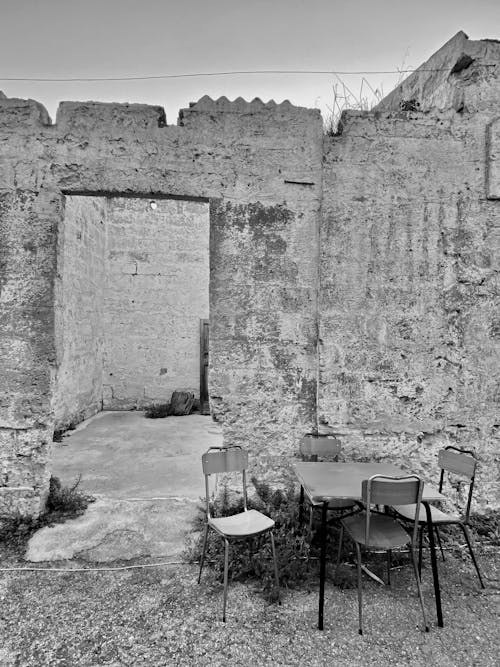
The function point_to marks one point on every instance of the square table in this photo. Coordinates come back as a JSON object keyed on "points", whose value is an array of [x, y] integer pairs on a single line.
{"points": [[322, 482]]}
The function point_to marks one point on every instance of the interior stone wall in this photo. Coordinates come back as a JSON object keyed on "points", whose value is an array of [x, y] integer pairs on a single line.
{"points": [[410, 259], [79, 310], [156, 291]]}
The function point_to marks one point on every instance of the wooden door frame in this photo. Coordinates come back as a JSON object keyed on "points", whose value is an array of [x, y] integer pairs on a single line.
{"points": [[204, 352]]}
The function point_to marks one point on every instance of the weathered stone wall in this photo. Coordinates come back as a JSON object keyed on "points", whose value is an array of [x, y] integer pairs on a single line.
{"points": [[493, 160], [353, 281], [462, 75], [79, 327], [409, 306], [259, 165], [156, 291], [29, 217]]}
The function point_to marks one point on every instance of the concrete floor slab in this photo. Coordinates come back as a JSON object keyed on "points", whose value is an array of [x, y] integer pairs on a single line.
{"points": [[146, 475], [125, 455], [113, 530]]}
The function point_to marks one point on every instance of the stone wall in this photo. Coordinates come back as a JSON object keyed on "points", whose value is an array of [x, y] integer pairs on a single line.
{"points": [[28, 226], [462, 75], [353, 282], [79, 326], [410, 259], [156, 291], [260, 167]]}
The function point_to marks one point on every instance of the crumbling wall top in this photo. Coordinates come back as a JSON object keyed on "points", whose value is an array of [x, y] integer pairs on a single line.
{"points": [[222, 105], [15, 112], [461, 75], [101, 115]]}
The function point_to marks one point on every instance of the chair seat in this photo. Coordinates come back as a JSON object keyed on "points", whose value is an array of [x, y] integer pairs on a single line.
{"points": [[385, 532], [243, 524], [438, 517]]}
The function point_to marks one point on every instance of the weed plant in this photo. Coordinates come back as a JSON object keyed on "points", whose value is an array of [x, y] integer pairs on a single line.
{"points": [[66, 500], [487, 526], [297, 548], [63, 503], [59, 433]]}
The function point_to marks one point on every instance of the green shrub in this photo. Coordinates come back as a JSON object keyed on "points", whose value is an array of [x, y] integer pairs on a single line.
{"points": [[63, 503], [60, 432], [297, 550], [66, 499], [252, 558]]}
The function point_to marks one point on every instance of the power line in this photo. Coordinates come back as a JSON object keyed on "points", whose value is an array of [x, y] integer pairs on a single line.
{"points": [[228, 73]]}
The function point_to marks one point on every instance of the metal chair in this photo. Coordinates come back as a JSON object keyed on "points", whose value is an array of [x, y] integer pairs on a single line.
{"points": [[461, 462], [320, 447], [240, 526], [375, 531]]}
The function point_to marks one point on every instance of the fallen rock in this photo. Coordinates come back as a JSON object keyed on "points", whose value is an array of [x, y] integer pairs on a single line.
{"points": [[181, 403]]}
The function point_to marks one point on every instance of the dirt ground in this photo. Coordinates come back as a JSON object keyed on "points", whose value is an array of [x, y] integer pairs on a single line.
{"points": [[154, 614], [150, 611]]}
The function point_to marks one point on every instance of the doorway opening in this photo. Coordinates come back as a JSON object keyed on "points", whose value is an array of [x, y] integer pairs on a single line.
{"points": [[132, 287]]}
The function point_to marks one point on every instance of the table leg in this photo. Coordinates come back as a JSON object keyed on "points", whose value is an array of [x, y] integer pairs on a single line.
{"points": [[322, 566], [301, 505], [435, 574]]}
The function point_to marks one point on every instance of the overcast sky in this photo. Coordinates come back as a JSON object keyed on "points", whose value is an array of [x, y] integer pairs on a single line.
{"points": [[128, 38]]}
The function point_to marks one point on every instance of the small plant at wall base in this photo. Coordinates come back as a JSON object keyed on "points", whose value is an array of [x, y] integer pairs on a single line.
{"points": [[63, 503], [66, 500], [60, 432], [487, 526]]}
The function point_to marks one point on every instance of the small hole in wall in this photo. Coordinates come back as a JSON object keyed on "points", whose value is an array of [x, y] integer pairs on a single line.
{"points": [[153, 205]]}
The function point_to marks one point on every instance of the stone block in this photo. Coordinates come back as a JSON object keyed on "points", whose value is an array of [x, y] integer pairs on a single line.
{"points": [[18, 112], [105, 117]]}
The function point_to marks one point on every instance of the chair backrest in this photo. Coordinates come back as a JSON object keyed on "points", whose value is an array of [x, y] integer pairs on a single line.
{"points": [[312, 447], [232, 458], [224, 459], [462, 462], [388, 490]]}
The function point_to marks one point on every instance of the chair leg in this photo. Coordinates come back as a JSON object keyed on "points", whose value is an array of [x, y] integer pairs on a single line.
{"points": [[202, 559], [469, 544], [420, 539], [226, 567], [301, 505], [419, 587], [389, 563], [339, 551], [251, 551], [438, 537], [276, 575], [360, 589], [311, 512]]}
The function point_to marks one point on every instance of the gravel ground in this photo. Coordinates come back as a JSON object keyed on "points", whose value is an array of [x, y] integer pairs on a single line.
{"points": [[161, 616]]}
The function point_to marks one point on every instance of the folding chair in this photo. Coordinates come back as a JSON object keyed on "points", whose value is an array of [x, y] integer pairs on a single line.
{"points": [[461, 462], [323, 447], [240, 526], [375, 531]]}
